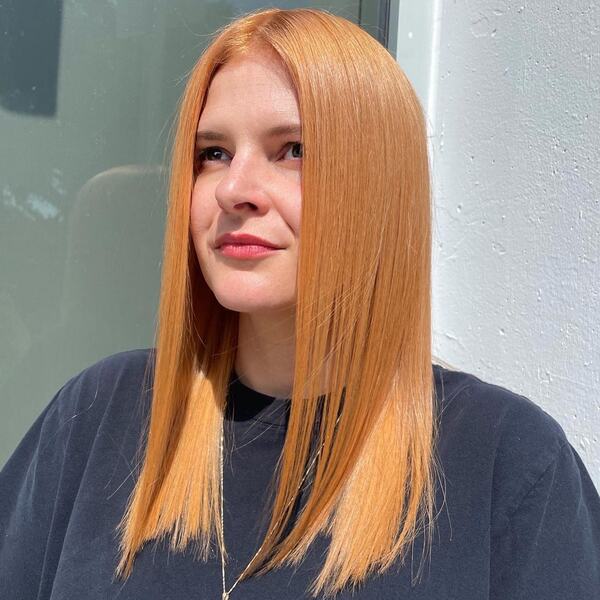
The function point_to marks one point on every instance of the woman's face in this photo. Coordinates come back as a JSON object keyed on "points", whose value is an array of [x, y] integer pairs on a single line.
{"points": [[248, 182]]}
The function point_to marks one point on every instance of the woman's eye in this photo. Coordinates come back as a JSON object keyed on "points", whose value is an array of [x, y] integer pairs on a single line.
{"points": [[207, 153], [216, 154], [296, 146]]}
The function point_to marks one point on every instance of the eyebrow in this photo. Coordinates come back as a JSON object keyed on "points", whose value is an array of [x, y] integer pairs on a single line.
{"points": [[215, 136]]}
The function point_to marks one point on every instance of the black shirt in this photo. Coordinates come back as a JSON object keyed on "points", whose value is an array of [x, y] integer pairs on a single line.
{"points": [[519, 518]]}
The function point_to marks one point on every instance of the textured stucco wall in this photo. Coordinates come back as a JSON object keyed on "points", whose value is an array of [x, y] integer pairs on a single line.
{"points": [[513, 102]]}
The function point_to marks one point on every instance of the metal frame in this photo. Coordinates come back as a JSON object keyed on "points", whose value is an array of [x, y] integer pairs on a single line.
{"points": [[380, 19]]}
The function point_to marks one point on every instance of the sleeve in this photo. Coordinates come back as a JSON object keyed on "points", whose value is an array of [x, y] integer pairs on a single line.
{"points": [[29, 484], [551, 547]]}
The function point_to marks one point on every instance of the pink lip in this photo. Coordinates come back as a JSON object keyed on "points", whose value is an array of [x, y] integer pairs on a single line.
{"points": [[243, 239], [245, 251]]}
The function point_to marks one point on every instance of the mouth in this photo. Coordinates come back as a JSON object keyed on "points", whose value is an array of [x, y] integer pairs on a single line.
{"points": [[246, 251], [239, 238]]}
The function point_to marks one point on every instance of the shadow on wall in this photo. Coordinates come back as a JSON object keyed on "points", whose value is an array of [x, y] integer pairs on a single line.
{"points": [[111, 277], [114, 253]]}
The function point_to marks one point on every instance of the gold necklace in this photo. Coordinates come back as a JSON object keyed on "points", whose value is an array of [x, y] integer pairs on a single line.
{"points": [[225, 595]]}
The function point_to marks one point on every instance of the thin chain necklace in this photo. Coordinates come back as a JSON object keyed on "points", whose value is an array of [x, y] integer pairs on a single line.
{"points": [[225, 595]]}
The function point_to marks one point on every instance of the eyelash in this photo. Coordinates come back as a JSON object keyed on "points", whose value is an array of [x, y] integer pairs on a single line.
{"points": [[200, 155]]}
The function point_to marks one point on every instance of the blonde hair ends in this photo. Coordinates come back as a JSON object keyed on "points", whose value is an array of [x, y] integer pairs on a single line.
{"points": [[365, 178]]}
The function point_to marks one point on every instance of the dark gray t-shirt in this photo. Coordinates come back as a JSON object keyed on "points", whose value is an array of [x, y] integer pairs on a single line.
{"points": [[519, 517]]}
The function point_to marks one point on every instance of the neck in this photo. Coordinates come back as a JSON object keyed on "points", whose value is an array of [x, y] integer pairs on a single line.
{"points": [[265, 355]]}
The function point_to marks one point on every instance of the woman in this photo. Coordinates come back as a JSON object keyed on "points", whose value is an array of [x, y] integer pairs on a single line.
{"points": [[289, 435]]}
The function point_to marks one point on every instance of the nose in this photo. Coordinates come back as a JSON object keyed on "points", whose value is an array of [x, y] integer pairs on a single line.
{"points": [[244, 185]]}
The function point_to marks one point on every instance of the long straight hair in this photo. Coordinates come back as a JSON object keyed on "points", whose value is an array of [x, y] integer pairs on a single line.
{"points": [[363, 308]]}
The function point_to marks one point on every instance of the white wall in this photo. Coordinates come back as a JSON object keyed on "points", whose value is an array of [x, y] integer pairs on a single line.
{"points": [[512, 94]]}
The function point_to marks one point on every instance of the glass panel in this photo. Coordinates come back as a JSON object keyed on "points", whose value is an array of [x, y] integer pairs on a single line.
{"points": [[88, 94]]}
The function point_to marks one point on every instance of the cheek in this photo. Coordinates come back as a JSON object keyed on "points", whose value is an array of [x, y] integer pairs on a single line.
{"points": [[292, 216], [199, 213], [199, 230], [296, 219], [291, 209]]}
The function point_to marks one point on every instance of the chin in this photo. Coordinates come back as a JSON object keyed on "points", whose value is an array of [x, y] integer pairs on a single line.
{"points": [[253, 305]]}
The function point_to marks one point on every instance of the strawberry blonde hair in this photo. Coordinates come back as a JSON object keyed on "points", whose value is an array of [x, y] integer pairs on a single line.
{"points": [[365, 178]]}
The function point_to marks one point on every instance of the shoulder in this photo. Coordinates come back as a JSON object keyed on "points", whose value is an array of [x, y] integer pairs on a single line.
{"points": [[114, 381], [508, 419], [126, 365], [71, 453], [489, 431], [105, 394], [96, 410]]}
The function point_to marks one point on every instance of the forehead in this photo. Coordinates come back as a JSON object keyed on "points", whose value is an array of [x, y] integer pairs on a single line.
{"points": [[252, 86]]}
